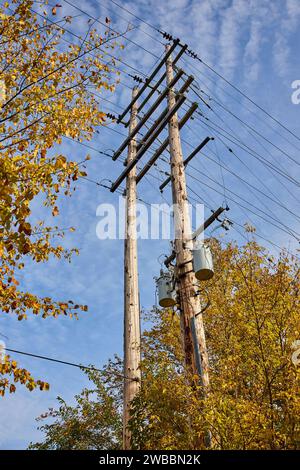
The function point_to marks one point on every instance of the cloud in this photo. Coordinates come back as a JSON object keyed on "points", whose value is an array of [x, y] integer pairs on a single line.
{"points": [[284, 44], [246, 41]]}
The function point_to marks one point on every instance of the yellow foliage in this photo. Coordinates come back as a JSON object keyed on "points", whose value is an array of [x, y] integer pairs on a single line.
{"points": [[45, 94], [252, 321]]}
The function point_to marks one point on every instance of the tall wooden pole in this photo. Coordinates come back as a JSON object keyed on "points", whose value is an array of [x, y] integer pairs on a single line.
{"points": [[189, 300], [132, 371]]}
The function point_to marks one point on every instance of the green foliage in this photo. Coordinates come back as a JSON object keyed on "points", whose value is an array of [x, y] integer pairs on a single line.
{"points": [[94, 422]]}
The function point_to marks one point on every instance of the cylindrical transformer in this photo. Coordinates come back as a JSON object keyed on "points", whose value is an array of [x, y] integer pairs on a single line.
{"points": [[202, 261], [166, 293]]}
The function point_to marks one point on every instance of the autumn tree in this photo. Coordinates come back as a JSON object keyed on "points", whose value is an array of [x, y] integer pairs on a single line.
{"points": [[252, 322], [47, 86], [94, 422]]}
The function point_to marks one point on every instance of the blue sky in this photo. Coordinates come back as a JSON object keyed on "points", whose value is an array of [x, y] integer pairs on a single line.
{"points": [[255, 44]]}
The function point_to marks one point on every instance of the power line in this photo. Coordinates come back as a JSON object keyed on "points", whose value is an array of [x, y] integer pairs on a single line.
{"points": [[275, 199], [253, 153], [139, 26], [35, 29], [240, 103], [103, 24], [225, 167], [289, 231], [135, 16], [233, 133], [279, 248], [286, 229], [195, 56], [88, 43], [59, 361], [247, 149], [219, 103], [245, 96], [253, 174]]}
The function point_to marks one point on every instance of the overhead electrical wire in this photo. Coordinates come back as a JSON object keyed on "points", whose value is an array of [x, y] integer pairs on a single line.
{"points": [[254, 153], [260, 143], [126, 19], [241, 104], [135, 16], [100, 22], [195, 57], [211, 68], [278, 248], [67, 363], [90, 51], [219, 103], [69, 2], [271, 170], [36, 29], [285, 230], [275, 199], [248, 98], [226, 168], [247, 149], [105, 24], [288, 229]]}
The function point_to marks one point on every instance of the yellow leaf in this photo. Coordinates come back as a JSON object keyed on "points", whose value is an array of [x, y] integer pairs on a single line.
{"points": [[55, 211]]}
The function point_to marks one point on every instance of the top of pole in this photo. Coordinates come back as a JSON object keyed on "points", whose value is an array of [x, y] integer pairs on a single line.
{"points": [[148, 80]]}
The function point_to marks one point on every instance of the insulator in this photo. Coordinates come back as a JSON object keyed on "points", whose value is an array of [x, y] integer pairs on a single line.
{"points": [[136, 78], [111, 116], [167, 36], [193, 54]]}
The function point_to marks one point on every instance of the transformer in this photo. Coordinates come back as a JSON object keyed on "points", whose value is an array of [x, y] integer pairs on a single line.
{"points": [[202, 261], [166, 293]]}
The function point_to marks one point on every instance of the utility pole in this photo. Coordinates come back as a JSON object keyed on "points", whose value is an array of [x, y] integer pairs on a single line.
{"points": [[191, 317], [132, 373], [196, 357]]}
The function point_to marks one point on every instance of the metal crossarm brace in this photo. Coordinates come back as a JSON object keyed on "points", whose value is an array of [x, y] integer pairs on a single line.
{"points": [[187, 160], [203, 227], [148, 80], [146, 117], [149, 142], [214, 216]]}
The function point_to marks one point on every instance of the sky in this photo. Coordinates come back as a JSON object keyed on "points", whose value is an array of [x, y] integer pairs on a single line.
{"points": [[255, 45]]}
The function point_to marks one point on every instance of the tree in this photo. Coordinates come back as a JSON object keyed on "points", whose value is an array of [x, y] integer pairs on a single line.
{"points": [[252, 320], [95, 422], [46, 94]]}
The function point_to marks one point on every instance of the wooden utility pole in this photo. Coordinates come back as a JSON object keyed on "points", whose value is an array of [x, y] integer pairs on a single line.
{"points": [[191, 316], [132, 335]]}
